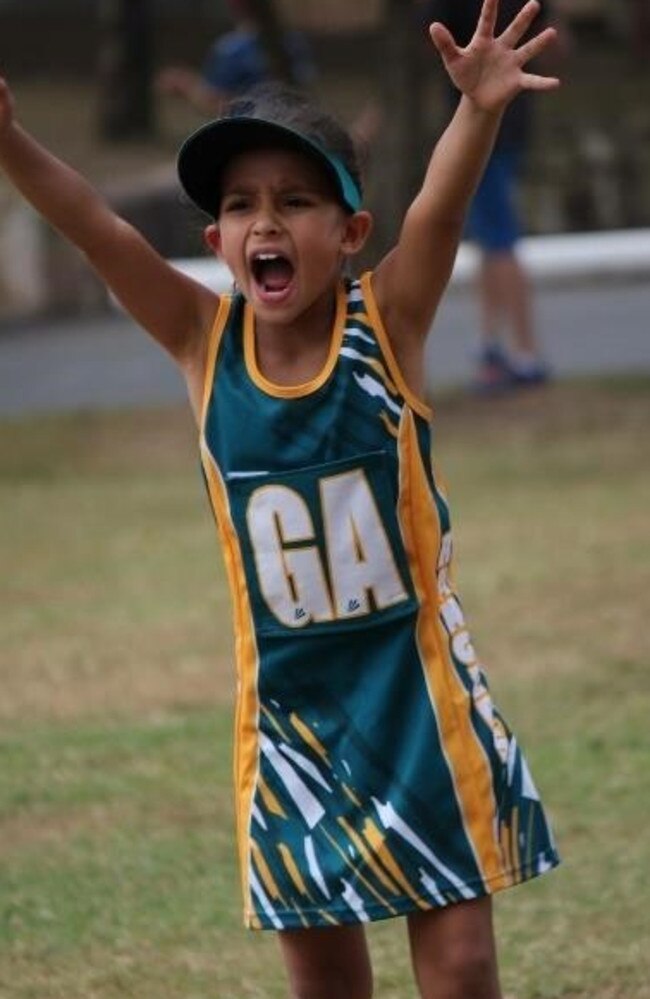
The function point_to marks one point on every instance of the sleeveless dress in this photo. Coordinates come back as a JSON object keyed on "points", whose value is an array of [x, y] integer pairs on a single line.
{"points": [[373, 775]]}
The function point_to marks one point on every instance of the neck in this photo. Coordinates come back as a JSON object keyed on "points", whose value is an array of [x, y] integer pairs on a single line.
{"points": [[295, 352]]}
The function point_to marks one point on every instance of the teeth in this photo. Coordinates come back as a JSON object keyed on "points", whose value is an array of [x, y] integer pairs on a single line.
{"points": [[267, 256]]}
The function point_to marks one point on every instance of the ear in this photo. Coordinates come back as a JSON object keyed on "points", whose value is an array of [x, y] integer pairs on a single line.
{"points": [[357, 228], [212, 238]]}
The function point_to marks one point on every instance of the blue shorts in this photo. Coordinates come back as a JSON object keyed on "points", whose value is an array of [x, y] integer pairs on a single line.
{"points": [[493, 221]]}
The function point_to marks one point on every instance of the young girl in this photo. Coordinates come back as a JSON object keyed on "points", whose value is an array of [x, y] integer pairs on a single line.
{"points": [[374, 778]]}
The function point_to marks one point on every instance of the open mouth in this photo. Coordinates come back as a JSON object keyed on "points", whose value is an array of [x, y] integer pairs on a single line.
{"points": [[272, 272]]}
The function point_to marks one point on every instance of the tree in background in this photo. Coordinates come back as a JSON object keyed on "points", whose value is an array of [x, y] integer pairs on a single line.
{"points": [[402, 86], [126, 108], [641, 27], [272, 35]]}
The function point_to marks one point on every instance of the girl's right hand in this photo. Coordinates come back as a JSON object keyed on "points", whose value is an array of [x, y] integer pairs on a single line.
{"points": [[490, 71]]}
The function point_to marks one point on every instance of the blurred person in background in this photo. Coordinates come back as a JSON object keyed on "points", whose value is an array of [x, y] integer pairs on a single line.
{"points": [[236, 61], [509, 355]]}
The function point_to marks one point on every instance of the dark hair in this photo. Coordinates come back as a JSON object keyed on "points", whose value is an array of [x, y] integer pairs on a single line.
{"points": [[269, 116], [283, 105]]}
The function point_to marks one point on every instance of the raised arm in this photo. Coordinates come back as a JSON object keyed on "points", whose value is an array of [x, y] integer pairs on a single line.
{"points": [[489, 73], [171, 307]]}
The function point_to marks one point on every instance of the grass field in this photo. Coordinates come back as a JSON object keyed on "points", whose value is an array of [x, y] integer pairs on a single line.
{"points": [[117, 864]]}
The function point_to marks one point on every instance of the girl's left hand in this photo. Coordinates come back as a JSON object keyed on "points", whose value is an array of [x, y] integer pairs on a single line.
{"points": [[490, 70]]}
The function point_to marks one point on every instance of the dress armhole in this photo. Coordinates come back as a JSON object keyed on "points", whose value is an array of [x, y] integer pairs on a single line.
{"points": [[418, 405], [218, 326]]}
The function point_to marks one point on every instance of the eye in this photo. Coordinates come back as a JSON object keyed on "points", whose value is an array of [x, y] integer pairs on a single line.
{"points": [[298, 201], [235, 203]]}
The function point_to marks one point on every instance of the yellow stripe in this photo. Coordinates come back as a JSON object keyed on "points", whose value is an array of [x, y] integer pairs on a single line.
{"points": [[390, 427], [377, 323], [225, 301], [351, 795], [247, 709], [305, 388], [270, 799], [380, 370], [376, 868], [468, 763], [353, 867], [373, 362], [265, 873], [378, 844], [306, 733], [275, 723], [292, 868]]}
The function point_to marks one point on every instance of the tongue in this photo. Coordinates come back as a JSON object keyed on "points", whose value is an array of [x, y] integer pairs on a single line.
{"points": [[277, 275]]}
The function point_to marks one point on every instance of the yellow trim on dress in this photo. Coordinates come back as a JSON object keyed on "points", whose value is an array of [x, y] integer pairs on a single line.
{"points": [[468, 763], [306, 733], [218, 326], [246, 761], [360, 877], [377, 841], [417, 404], [368, 857], [306, 388], [293, 870]]}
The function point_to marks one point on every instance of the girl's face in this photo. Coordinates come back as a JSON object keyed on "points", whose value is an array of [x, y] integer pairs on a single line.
{"points": [[282, 232]]}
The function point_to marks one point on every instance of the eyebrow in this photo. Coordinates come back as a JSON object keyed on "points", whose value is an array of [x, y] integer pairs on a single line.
{"points": [[284, 186]]}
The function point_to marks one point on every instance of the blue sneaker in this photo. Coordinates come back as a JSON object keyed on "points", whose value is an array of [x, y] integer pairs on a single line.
{"points": [[529, 375], [495, 374], [528, 372]]}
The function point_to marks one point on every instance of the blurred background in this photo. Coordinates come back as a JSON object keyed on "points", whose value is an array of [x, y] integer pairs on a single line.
{"points": [[117, 861], [84, 74]]}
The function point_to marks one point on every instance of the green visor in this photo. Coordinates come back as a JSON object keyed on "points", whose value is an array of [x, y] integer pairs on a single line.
{"points": [[205, 154]]}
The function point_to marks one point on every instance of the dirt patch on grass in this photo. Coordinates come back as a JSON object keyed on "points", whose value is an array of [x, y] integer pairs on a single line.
{"points": [[80, 683], [23, 833]]}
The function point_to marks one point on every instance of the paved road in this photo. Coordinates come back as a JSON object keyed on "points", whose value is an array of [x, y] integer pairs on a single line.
{"points": [[110, 363]]}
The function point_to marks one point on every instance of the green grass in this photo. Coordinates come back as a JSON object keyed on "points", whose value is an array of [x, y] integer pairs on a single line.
{"points": [[117, 859]]}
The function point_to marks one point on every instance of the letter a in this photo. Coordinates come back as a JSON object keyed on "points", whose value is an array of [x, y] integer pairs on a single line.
{"points": [[361, 559]]}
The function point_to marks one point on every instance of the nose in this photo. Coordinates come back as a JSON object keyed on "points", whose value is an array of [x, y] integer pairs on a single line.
{"points": [[266, 221]]}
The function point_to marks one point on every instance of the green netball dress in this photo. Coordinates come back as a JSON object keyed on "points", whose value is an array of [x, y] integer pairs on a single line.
{"points": [[373, 775]]}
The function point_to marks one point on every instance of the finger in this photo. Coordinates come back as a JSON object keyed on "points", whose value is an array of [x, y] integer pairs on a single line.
{"points": [[536, 45], [487, 19], [532, 81], [443, 40], [520, 24]]}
